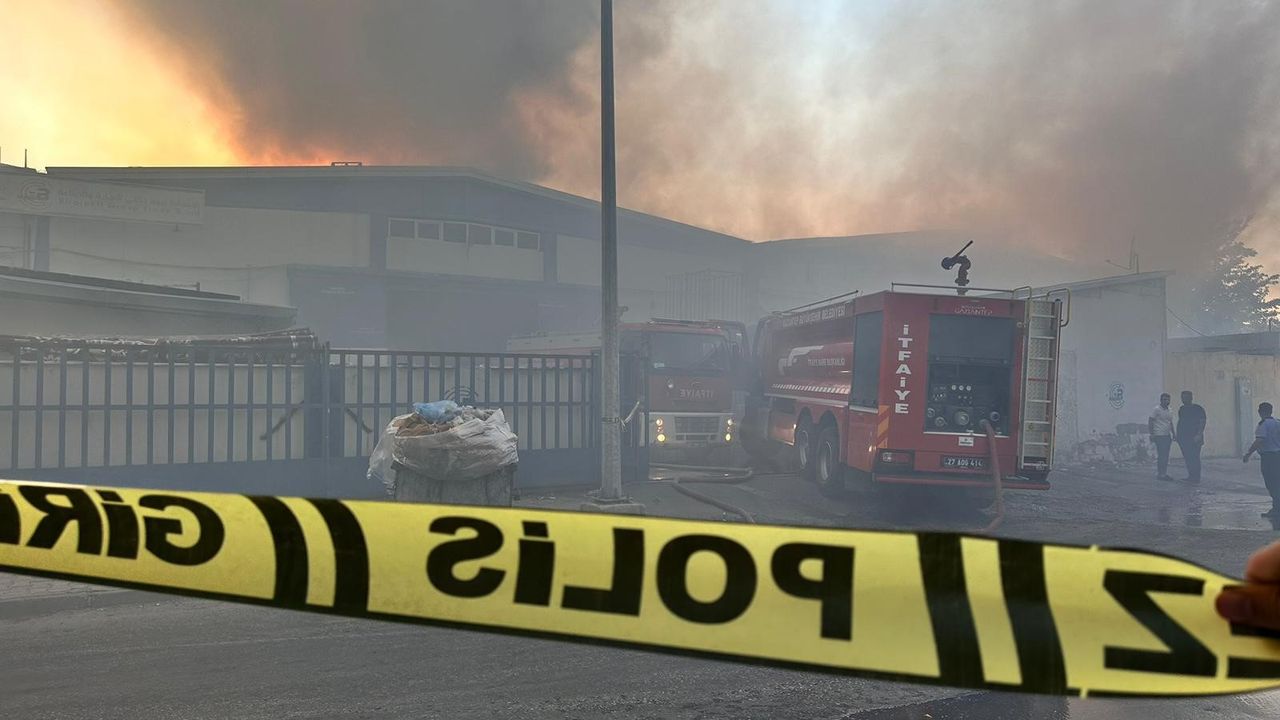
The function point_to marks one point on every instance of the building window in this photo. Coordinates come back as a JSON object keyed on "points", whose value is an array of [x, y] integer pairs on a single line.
{"points": [[428, 230], [462, 232], [398, 228], [455, 232]]}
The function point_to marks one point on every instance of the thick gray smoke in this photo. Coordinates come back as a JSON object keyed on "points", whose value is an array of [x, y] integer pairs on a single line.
{"points": [[391, 81], [1067, 124]]}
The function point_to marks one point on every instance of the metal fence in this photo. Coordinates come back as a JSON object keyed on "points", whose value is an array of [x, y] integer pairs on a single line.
{"points": [[173, 414], [548, 400]]}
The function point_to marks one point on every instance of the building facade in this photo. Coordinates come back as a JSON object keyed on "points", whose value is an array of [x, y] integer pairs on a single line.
{"points": [[1229, 375], [390, 257], [1111, 365]]}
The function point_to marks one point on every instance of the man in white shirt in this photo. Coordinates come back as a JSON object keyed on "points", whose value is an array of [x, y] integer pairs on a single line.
{"points": [[1160, 425]]}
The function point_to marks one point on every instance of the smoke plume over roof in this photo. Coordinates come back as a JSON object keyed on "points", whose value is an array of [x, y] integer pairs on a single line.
{"points": [[1067, 124]]}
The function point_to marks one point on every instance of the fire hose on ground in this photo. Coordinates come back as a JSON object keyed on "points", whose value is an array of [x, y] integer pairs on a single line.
{"points": [[683, 475], [695, 474]]}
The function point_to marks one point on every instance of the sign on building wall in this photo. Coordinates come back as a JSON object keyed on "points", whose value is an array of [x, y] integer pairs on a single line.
{"points": [[43, 195]]}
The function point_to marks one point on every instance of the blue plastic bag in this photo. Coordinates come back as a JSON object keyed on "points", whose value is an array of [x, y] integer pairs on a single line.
{"points": [[438, 411]]}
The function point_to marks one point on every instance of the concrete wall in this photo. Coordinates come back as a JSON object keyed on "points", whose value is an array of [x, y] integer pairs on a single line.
{"points": [[14, 240], [437, 256], [1214, 378], [643, 271], [240, 251], [1112, 369], [407, 311]]}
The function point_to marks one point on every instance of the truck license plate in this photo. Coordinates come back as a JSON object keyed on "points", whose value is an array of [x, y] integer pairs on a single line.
{"points": [[964, 463]]}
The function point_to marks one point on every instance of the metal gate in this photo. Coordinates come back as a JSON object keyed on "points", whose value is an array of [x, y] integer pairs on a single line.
{"points": [[634, 394], [548, 400], [292, 420]]}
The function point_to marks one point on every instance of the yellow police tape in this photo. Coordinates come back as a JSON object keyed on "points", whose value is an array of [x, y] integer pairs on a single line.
{"points": [[926, 607]]}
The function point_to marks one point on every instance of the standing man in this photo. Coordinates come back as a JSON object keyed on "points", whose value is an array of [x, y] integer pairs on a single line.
{"points": [[1160, 426], [1191, 422], [1267, 444]]}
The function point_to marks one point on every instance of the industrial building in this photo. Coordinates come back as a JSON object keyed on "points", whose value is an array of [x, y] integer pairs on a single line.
{"points": [[453, 259], [384, 256], [1111, 364], [364, 252]]}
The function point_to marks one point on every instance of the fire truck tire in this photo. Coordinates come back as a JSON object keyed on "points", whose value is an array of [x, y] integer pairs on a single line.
{"points": [[828, 470], [804, 446]]}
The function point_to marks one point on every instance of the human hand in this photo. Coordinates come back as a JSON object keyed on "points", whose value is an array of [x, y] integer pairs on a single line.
{"points": [[1246, 456], [1257, 602]]}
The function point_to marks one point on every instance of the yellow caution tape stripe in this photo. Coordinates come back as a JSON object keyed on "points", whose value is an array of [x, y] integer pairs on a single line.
{"points": [[929, 607]]}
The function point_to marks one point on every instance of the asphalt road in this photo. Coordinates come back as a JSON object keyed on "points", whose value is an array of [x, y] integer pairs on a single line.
{"points": [[183, 658]]}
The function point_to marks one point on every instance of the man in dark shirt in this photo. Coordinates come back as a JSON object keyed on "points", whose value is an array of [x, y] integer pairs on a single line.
{"points": [[1191, 422]]}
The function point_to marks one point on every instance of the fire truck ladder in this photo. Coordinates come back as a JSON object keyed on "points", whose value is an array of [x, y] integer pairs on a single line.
{"points": [[1044, 322]]}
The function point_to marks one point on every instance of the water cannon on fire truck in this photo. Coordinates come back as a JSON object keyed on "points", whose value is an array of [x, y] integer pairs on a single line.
{"points": [[962, 275]]}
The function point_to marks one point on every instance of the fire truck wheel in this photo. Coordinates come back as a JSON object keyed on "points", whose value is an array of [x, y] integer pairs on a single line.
{"points": [[828, 470], [804, 449]]}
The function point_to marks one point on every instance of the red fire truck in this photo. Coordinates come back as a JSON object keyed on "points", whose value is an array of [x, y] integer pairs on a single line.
{"points": [[893, 387], [690, 388], [740, 360]]}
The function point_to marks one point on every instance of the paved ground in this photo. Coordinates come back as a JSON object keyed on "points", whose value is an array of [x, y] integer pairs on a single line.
{"points": [[75, 651]]}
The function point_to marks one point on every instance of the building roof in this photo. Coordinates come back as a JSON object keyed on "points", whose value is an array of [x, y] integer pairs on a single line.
{"points": [[1257, 343], [77, 289], [87, 281], [1110, 281], [172, 175]]}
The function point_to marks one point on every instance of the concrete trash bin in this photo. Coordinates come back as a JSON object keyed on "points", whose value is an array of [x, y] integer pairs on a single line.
{"points": [[493, 489]]}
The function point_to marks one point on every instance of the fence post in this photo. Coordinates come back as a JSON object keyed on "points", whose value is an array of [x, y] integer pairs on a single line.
{"points": [[315, 404], [594, 422]]}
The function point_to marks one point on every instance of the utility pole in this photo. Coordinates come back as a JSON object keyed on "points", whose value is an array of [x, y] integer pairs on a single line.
{"points": [[611, 424]]}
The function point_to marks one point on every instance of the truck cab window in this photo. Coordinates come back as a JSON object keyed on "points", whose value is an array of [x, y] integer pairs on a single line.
{"points": [[698, 352]]}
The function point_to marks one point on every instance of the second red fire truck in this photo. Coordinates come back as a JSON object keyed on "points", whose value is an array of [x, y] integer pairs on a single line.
{"points": [[690, 382], [894, 387]]}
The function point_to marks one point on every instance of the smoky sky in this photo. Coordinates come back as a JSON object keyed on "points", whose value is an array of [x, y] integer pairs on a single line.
{"points": [[1062, 124], [390, 81]]}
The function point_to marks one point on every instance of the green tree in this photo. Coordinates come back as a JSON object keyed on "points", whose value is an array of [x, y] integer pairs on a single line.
{"points": [[1237, 294]]}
